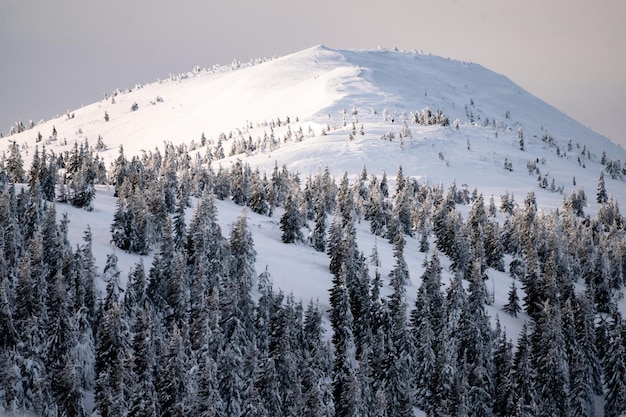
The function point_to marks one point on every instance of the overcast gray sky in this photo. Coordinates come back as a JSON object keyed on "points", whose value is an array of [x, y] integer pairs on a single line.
{"points": [[58, 55]]}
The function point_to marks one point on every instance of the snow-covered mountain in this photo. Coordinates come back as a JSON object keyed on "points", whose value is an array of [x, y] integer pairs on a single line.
{"points": [[345, 111], [321, 88]]}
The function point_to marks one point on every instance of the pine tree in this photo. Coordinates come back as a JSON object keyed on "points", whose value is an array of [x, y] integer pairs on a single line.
{"points": [[267, 384], [430, 298], [174, 379], [398, 357], [88, 275], [282, 348], [237, 299], [531, 284], [230, 367], [585, 317], [119, 228], [168, 178], [551, 363], [335, 245], [112, 361], [135, 293], [84, 351], [601, 196], [12, 397], [31, 296], [179, 226], [240, 183], [15, 165], [428, 325], [359, 293], [512, 305], [13, 240], [162, 269], [615, 370], [209, 402], [318, 237], [346, 391], [264, 311], [243, 252], [258, 196], [455, 302], [447, 397], [290, 222], [377, 210], [581, 399], [8, 333], [205, 244], [425, 373], [317, 372], [59, 354], [477, 223], [525, 377], [494, 251], [177, 291], [475, 336], [504, 388], [345, 200], [402, 209]]}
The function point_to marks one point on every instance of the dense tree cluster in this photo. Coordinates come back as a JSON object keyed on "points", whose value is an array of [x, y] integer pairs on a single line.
{"points": [[200, 332]]}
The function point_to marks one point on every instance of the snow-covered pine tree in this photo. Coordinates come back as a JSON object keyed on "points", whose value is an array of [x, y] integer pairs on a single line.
{"points": [[494, 251], [60, 361], [209, 402], [581, 395], [317, 371], [504, 385], [318, 236], [162, 269], [172, 388], [335, 244], [8, 333], [112, 359], [14, 166], [142, 399], [291, 221], [585, 317], [615, 370], [398, 359], [476, 225], [346, 392], [550, 357], [475, 347], [179, 225], [240, 183], [512, 305], [525, 377], [601, 196], [230, 367], [258, 193], [90, 293]]}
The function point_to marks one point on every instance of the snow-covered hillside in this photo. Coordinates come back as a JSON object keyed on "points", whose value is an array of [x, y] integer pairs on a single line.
{"points": [[321, 88], [371, 92], [345, 111]]}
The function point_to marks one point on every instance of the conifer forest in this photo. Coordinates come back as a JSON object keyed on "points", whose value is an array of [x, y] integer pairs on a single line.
{"points": [[199, 332]]}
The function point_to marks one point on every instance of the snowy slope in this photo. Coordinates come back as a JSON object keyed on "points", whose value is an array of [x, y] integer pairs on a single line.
{"points": [[317, 89], [317, 86]]}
